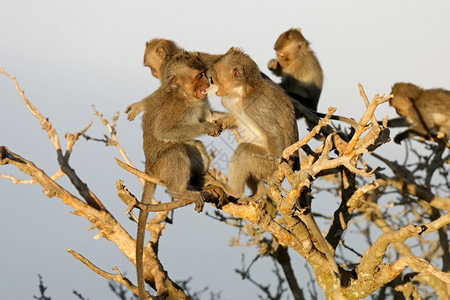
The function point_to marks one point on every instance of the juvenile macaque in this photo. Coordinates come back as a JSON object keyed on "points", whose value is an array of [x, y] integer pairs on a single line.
{"points": [[300, 71], [264, 116], [157, 53], [174, 116], [426, 111]]}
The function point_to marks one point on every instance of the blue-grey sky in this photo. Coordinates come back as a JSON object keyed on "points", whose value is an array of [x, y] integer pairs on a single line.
{"points": [[68, 55]]}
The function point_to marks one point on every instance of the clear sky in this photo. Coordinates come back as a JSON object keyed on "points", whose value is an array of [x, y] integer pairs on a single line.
{"points": [[68, 55]]}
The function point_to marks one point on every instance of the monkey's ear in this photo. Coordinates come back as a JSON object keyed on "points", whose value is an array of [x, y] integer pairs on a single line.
{"points": [[161, 52], [174, 81], [238, 73]]}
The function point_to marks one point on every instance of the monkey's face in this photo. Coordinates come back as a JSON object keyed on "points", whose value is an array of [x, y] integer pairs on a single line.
{"points": [[287, 54], [401, 103], [284, 56], [223, 79], [196, 83], [155, 63]]}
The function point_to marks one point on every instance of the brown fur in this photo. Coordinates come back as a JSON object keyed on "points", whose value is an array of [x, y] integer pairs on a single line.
{"points": [[263, 114], [299, 68], [427, 111], [157, 53], [174, 116]]}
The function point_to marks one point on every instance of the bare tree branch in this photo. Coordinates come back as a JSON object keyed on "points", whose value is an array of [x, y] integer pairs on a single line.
{"points": [[118, 277]]}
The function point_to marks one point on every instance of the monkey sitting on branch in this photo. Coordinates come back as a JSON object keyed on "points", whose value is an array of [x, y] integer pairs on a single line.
{"points": [[174, 116], [299, 68], [301, 76], [264, 115], [159, 51], [426, 111]]}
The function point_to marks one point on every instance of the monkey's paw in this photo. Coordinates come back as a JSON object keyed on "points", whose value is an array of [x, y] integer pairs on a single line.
{"points": [[217, 193], [215, 129], [199, 204], [272, 64], [221, 124], [133, 110]]}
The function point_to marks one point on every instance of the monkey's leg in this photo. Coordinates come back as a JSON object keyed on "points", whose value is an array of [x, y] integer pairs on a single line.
{"points": [[178, 171], [199, 157], [258, 189], [248, 166], [149, 189]]}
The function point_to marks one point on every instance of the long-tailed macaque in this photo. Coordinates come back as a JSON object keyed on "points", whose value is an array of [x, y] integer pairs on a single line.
{"points": [[299, 68], [157, 53], [264, 116], [174, 116], [301, 76], [426, 111]]}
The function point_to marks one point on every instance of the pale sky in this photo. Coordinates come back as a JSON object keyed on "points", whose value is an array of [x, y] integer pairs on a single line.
{"points": [[68, 55]]}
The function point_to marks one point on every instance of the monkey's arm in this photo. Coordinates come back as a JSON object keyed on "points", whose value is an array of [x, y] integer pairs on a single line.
{"points": [[216, 115], [188, 131], [136, 108], [227, 121], [172, 126]]}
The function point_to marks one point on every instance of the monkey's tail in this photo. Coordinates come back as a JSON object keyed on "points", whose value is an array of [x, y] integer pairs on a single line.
{"points": [[149, 189]]}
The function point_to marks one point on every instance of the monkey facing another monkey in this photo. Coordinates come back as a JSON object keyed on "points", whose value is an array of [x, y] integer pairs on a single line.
{"points": [[426, 111], [174, 116], [157, 53], [264, 116]]}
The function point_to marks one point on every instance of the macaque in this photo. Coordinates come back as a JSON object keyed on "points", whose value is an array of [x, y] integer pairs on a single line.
{"points": [[174, 116], [426, 111], [300, 71], [157, 53], [264, 115]]}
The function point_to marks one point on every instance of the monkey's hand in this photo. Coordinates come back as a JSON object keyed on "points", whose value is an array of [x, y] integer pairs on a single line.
{"points": [[272, 64], [134, 109], [227, 121], [214, 129], [199, 203], [220, 124]]}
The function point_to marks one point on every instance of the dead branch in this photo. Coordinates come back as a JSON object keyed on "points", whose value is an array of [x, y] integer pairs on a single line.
{"points": [[63, 159], [111, 126], [15, 180], [108, 227], [138, 173], [372, 258], [118, 277]]}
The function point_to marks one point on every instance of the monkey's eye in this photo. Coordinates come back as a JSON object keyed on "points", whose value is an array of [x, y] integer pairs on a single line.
{"points": [[201, 75]]}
